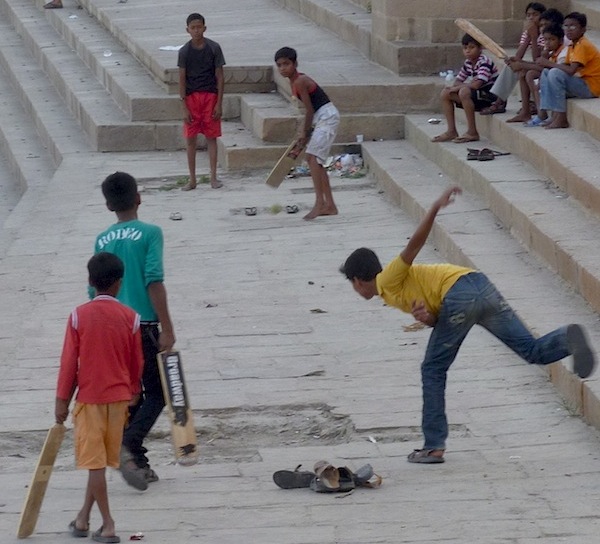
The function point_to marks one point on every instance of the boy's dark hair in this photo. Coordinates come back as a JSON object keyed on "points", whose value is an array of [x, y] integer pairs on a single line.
{"points": [[540, 8], [286, 53], [104, 269], [555, 29], [194, 17], [467, 39], [120, 191], [362, 264], [579, 17], [553, 15]]}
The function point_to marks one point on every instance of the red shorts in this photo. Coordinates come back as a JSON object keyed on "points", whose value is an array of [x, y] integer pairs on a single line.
{"points": [[201, 106]]}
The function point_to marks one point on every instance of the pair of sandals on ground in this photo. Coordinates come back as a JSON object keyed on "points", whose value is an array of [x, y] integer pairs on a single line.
{"points": [[327, 479]]}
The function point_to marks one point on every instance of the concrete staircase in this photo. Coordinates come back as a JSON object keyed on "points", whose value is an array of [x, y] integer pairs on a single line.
{"points": [[68, 98]]}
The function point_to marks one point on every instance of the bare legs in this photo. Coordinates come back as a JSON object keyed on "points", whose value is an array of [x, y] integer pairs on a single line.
{"points": [[191, 148], [450, 98], [96, 492], [324, 204]]}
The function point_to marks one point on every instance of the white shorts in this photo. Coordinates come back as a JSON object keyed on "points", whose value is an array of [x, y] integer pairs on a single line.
{"points": [[326, 121]]}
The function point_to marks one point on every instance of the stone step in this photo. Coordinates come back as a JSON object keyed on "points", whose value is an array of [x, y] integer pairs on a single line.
{"points": [[273, 119], [353, 24], [566, 156], [468, 233], [133, 87], [368, 92], [240, 149], [98, 114], [549, 220], [43, 130], [347, 20], [162, 64]]}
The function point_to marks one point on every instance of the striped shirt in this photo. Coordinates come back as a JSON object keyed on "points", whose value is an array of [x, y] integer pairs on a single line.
{"points": [[483, 69]]}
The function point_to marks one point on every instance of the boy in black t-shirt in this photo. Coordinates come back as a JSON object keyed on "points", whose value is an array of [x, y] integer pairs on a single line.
{"points": [[201, 84]]}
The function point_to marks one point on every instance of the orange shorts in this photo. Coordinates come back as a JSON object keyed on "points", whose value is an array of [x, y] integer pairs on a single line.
{"points": [[98, 433], [201, 106]]}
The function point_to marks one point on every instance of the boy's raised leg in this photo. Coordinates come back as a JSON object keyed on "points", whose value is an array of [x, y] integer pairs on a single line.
{"points": [[191, 144]]}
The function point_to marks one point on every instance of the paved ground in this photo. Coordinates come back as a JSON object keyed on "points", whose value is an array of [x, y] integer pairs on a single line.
{"points": [[275, 383], [285, 365]]}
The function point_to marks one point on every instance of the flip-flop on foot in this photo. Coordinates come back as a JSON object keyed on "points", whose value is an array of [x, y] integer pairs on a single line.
{"points": [[425, 457], [445, 137], [465, 139], [76, 532], [97, 537]]}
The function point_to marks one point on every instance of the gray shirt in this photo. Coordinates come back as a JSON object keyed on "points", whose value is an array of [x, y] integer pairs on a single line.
{"points": [[200, 66]]}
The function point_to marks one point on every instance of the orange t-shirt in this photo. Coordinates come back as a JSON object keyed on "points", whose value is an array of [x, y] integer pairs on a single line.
{"points": [[584, 52]]}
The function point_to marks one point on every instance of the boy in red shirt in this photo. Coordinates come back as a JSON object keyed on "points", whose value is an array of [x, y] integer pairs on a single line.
{"points": [[102, 360]]}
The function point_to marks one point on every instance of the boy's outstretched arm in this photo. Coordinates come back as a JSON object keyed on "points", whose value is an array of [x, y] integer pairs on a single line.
{"points": [[418, 239]]}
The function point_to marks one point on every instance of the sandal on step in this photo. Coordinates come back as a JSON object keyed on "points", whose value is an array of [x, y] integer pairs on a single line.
{"points": [[499, 106], [473, 154], [424, 457]]}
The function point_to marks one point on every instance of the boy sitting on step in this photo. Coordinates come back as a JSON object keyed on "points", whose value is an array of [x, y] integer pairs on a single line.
{"points": [[578, 77], [470, 91]]}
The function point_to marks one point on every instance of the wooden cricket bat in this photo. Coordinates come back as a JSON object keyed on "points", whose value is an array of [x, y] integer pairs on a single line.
{"points": [[183, 432], [39, 482], [284, 165], [482, 38]]}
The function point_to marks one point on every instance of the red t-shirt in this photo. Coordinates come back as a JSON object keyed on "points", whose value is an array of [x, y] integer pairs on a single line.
{"points": [[102, 353]]}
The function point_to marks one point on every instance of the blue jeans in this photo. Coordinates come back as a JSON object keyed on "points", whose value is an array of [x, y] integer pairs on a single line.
{"points": [[556, 86], [473, 299], [144, 414]]}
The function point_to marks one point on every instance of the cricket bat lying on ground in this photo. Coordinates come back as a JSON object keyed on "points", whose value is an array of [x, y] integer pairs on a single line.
{"points": [[482, 38], [284, 164], [183, 432], [39, 482]]}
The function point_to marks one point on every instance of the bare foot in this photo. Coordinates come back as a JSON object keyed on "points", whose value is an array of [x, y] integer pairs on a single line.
{"points": [[558, 125], [445, 137], [316, 212], [519, 118], [216, 184], [466, 138], [189, 187]]}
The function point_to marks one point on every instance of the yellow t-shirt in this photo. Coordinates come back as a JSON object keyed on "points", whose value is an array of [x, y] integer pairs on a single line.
{"points": [[400, 284], [585, 53]]}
